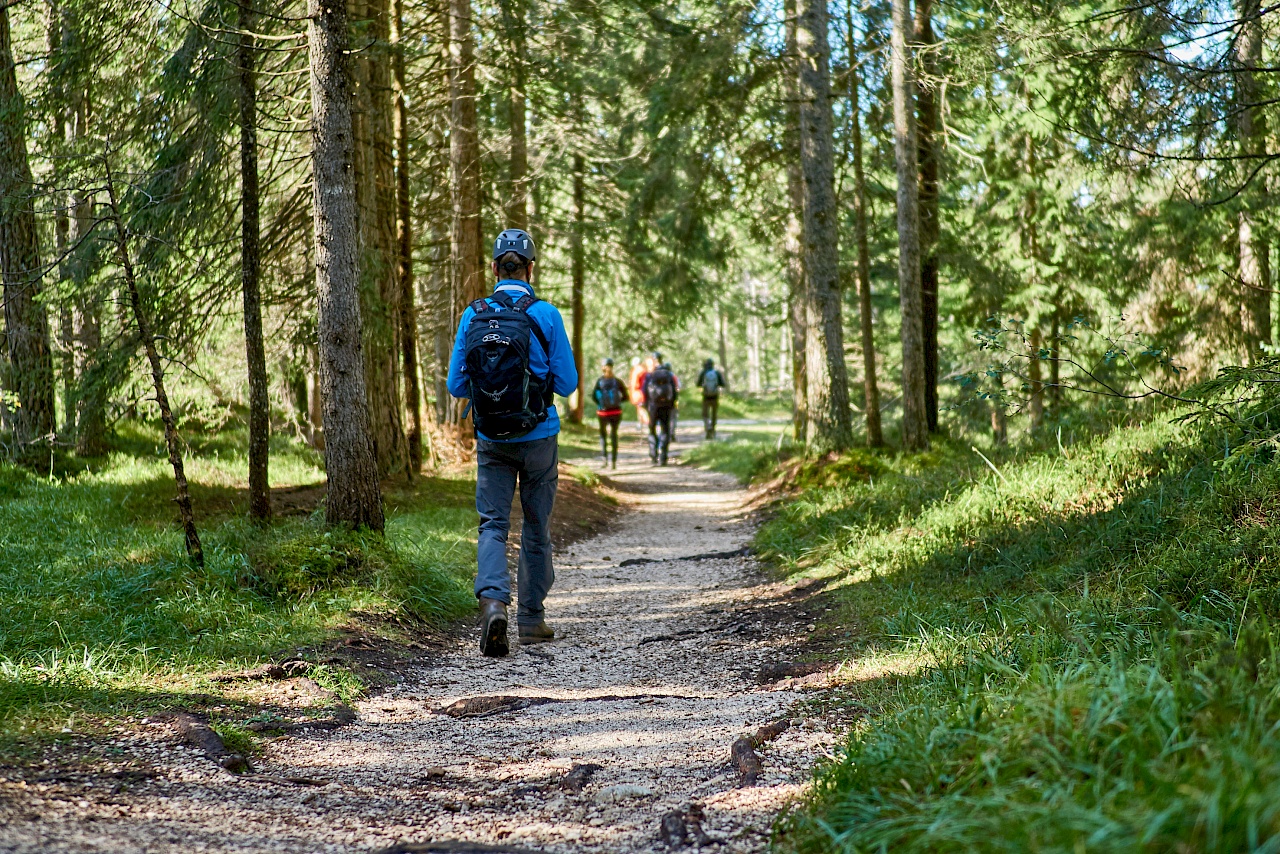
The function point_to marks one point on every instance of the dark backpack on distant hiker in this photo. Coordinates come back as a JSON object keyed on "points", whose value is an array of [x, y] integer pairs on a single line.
{"points": [[610, 395], [508, 400], [711, 383], [662, 388]]}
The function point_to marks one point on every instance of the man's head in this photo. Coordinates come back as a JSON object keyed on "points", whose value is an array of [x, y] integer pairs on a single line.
{"points": [[657, 357], [606, 367], [513, 255], [708, 365]]}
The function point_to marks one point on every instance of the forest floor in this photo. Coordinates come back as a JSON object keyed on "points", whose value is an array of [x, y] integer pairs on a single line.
{"points": [[675, 645]]}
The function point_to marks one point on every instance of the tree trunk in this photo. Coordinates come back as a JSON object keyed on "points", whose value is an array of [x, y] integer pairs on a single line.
{"points": [[875, 435], [30, 369], [722, 346], [827, 383], [797, 315], [192, 537], [517, 205], [915, 422], [927, 150], [464, 151], [1254, 253], [255, 349], [404, 248], [350, 463], [376, 217], [1035, 374], [62, 110], [1055, 360], [578, 272]]}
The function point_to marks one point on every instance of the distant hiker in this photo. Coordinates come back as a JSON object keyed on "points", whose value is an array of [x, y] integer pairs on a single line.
{"points": [[660, 396], [635, 382], [510, 356], [710, 381], [609, 394], [675, 410]]}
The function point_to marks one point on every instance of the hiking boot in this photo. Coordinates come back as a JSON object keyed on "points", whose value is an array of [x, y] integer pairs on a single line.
{"points": [[493, 628], [537, 633]]}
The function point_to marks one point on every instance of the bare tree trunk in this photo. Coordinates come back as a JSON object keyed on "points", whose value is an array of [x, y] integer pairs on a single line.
{"points": [[1254, 253], [349, 454], [376, 217], [30, 370], [194, 550], [827, 383], [927, 148], [915, 423], [578, 272], [514, 23], [999, 423], [62, 222], [875, 434], [404, 247], [469, 280], [1035, 374], [255, 349], [797, 289], [722, 346], [1055, 361]]}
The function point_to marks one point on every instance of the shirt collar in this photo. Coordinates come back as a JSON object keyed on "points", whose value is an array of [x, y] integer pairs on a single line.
{"points": [[513, 285]]}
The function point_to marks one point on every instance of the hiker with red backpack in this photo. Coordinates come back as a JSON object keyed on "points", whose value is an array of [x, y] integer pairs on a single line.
{"points": [[609, 394], [510, 357], [660, 396]]}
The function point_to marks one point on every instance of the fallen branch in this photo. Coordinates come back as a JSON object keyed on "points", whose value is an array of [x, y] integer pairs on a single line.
{"points": [[342, 715], [483, 707], [267, 672], [197, 733], [285, 781], [638, 561]]}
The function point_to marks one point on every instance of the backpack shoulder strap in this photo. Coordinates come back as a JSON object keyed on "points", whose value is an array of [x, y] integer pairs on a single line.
{"points": [[480, 306], [522, 305]]}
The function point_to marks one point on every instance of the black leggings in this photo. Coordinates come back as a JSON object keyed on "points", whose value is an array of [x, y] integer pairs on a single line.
{"points": [[609, 434], [659, 434]]}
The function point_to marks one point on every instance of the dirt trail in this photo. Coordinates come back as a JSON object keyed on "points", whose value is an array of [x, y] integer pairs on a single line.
{"points": [[671, 644]]}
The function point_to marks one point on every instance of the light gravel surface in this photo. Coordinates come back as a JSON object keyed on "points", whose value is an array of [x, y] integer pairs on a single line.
{"points": [[676, 639]]}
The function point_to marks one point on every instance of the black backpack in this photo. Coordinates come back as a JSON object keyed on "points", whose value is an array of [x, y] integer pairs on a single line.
{"points": [[662, 388], [508, 400], [611, 394]]}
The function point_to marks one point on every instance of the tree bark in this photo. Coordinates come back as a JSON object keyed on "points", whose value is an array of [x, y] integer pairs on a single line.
{"points": [[797, 314], [376, 218], [404, 247], [255, 349], [62, 129], [827, 384], [1254, 252], [350, 463], [517, 203], [464, 150], [192, 537], [927, 149], [1035, 374], [578, 272], [30, 369], [915, 423], [871, 388]]}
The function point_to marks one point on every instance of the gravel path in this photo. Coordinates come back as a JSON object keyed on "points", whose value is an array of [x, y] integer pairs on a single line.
{"points": [[652, 682]]}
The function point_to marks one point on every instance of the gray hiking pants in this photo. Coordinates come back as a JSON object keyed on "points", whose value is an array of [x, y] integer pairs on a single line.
{"points": [[500, 465]]}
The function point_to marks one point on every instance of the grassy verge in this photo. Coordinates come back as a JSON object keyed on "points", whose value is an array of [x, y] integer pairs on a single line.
{"points": [[104, 615], [1074, 653]]}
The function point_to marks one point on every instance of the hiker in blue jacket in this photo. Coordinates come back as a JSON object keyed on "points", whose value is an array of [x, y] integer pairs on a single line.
{"points": [[516, 436]]}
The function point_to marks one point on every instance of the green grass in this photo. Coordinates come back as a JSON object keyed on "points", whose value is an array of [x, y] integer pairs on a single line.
{"points": [[1074, 654], [105, 615]]}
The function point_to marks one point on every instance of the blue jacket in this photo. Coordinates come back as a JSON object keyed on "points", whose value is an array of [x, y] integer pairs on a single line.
{"points": [[559, 361]]}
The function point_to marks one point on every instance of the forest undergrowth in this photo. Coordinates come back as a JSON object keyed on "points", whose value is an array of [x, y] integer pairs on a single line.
{"points": [[1062, 645], [104, 614]]}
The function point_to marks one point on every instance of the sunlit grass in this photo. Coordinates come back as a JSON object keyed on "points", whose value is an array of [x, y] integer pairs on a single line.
{"points": [[103, 611], [1093, 678]]}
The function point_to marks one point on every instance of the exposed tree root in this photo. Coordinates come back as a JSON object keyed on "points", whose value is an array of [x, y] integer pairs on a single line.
{"points": [[197, 733]]}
